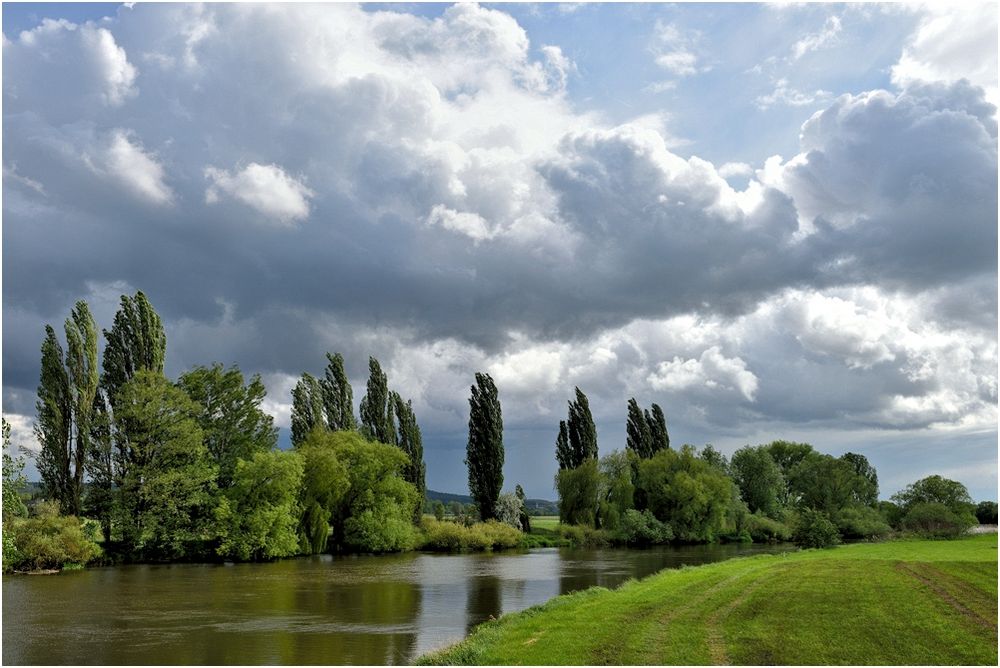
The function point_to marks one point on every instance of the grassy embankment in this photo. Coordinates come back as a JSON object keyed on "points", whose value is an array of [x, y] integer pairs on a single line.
{"points": [[900, 602]]}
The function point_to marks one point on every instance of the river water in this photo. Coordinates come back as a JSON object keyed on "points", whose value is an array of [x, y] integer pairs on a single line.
{"points": [[310, 610]]}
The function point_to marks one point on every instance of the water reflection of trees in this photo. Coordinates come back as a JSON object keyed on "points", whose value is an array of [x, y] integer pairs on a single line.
{"points": [[483, 598]]}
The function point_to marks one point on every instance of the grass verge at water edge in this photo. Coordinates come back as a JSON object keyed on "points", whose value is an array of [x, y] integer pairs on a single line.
{"points": [[901, 602]]}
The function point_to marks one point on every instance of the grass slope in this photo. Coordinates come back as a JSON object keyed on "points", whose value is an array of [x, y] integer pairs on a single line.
{"points": [[902, 602]]}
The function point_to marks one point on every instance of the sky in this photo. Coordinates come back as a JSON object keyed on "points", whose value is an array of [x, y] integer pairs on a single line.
{"points": [[777, 221]]}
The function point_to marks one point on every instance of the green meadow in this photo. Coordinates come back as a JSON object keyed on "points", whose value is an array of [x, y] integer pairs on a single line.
{"points": [[898, 602]]}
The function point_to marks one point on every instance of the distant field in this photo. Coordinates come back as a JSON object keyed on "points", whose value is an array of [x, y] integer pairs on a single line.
{"points": [[550, 522], [902, 602]]}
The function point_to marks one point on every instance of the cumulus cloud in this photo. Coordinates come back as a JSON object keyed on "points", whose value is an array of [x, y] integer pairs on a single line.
{"points": [[674, 50], [950, 44], [122, 158], [266, 188], [712, 370]]}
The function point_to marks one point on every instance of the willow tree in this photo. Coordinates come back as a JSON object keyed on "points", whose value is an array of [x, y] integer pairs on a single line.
{"points": [[484, 452], [338, 397]]}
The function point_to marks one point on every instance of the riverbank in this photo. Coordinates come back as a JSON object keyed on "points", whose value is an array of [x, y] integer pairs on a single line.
{"points": [[899, 602]]}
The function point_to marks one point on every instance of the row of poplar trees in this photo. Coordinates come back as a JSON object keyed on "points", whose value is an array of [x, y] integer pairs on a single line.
{"points": [[328, 403]]}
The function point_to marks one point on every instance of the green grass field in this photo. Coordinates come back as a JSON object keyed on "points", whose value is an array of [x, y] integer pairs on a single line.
{"points": [[901, 602]]}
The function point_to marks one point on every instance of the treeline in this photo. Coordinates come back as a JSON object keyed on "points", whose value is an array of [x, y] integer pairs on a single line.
{"points": [[650, 493], [190, 469]]}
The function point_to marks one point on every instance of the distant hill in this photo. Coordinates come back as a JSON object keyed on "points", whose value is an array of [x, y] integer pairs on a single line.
{"points": [[534, 506]]}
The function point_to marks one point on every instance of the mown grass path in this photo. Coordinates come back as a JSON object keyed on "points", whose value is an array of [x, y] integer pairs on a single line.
{"points": [[902, 602]]}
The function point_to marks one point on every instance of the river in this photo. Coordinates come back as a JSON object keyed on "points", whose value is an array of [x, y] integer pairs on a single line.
{"points": [[311, 610]]}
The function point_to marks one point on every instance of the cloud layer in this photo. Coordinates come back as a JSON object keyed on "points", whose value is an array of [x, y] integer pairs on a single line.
{"points": [[288, 180]]}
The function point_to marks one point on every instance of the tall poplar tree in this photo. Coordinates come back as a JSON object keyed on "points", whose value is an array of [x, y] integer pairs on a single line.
{"points": [[637, 434], [338, 397], [54, 423], [377, 419], [658, 429], [646, 432], [484, 452], [409, 440], [307, 408], [65, 405], [582, 430], [564, 455], [135, 343]]}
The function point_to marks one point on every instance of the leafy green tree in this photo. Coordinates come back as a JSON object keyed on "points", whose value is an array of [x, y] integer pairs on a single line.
{"points": [[438, 510], [408, 440], [578, 493], [307, 408], [684, 491], [51, 540], [231, 420], [759, 480], [787, 454], [935, 489], [338, 397], [325, 481], [375, 511], [484, 453], [616, 490], [257, 516], [377, 420], [986, 512], [638, 437], [166, 498], [715, 458], [866, 492], [826, 483]]}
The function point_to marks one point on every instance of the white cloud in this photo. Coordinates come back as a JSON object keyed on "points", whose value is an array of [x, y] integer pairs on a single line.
{"points": [[266, 188], [817, 40], [22, 435], [675, 51], [730, 169], [118, 74], [470, 224], [713, 371], [122, 158], [952, 41], [786, 95]]}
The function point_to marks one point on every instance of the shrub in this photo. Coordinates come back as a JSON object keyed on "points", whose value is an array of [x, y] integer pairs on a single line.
{"points": [[763, 529], [642, 528], [50, 540], [936, 520], [861, 522], [584, 536], [454, 537], [383, 528], [814, 529]]}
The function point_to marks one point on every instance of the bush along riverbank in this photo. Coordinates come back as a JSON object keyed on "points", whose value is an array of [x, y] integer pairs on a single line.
{"points": [[899, 602]]}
